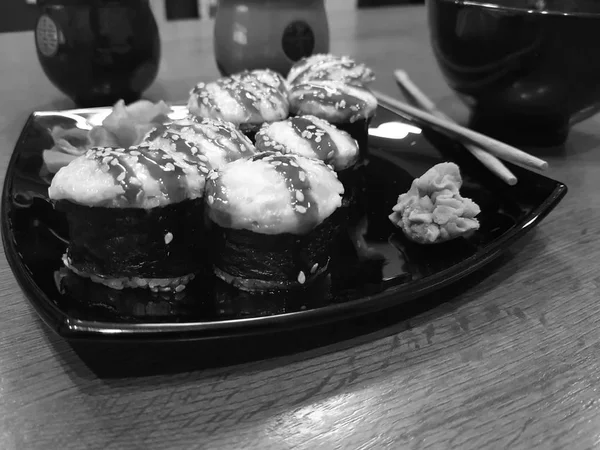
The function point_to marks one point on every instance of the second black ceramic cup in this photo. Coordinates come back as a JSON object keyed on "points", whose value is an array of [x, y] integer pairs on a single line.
{"points": [[528, 69]]}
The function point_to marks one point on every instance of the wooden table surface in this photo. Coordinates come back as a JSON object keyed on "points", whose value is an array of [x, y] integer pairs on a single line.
{"points": [[512, 361]]}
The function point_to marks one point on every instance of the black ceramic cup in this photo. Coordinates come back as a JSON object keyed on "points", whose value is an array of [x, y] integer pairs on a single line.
{"points": [[528, 69], [98, 51]]}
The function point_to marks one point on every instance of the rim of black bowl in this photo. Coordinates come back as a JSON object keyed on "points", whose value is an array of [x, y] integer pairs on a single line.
{"points": [[581, 8]]}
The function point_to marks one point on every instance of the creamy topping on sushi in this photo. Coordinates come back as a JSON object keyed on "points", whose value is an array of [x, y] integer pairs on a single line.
{"points": [[333, 101], [169, 166], [273, 193], [250, 97], [138, 177], [311, 137], [433, 210], [265, 76], [207, 143], [322, 67]]}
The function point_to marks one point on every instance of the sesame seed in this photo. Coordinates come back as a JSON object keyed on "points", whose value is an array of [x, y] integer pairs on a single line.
{"points": [[302, 176], [301, 209], [314, 268], [299, 196], [211, 199], [180, 288], [135, 153], [168, 238], [301, 278]]}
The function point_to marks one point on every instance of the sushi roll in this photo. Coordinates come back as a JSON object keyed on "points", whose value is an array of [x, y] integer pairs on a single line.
{"points": [[136, 215], [315, 138], [322, 67], [348, 107], [275, 219], [311, 137], [206, 143], [247, 99]]}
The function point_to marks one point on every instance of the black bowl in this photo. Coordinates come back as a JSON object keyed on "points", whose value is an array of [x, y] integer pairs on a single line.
{"points": [[98, 51], [528, 69]]}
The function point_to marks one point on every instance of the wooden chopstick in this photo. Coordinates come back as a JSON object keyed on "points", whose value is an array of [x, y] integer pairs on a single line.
{"points": [[421, 100], [493, 146]]}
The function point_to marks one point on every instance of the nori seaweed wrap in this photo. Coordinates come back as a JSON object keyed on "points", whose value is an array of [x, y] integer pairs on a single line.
{"points": [[348, 107], [136, 215], [275, 220], [247, 99]]}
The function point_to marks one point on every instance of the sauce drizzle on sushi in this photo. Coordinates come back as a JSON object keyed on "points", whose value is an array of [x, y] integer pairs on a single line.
{"points": [[161, 166], [311, 137], [330, 67], [298, 186], [217, 132], [319, 140], [249, 89], [168, 175], [351, 101], [246, 94], [329, 95]]}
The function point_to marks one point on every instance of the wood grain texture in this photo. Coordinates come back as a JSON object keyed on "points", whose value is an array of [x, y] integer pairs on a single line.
{"points": [[512, 361]]}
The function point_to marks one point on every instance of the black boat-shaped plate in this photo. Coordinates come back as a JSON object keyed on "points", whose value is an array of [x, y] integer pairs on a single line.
{"points": [[396, 271]]}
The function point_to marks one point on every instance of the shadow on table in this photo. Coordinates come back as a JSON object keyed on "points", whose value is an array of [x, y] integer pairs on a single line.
{"points": [[130, 358]]}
